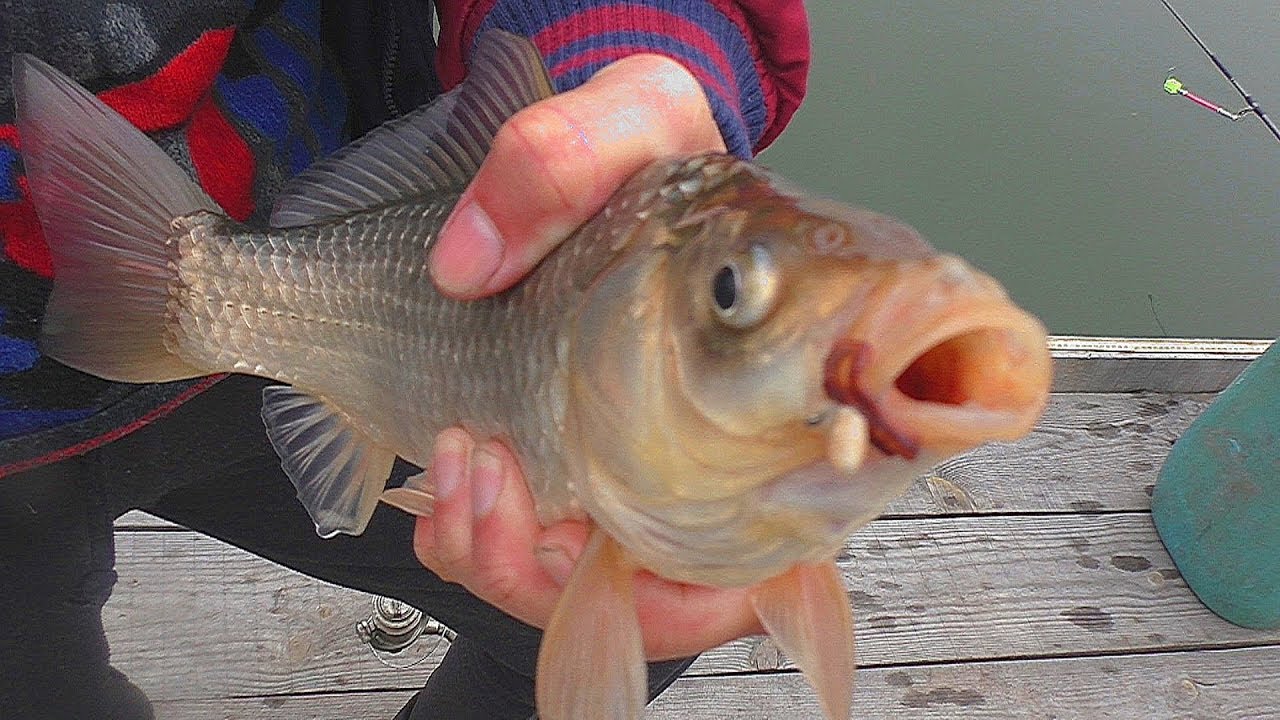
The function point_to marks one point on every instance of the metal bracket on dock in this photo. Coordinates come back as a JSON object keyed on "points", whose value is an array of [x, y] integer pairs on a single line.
{"points": [[394, 626]]}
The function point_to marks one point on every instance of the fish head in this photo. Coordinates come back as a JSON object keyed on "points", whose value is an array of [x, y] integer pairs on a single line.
{"points": [[766, 372]]}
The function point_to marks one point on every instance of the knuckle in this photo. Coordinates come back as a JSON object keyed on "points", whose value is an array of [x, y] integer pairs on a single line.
{"points": [[552, 147], [451, 564], [667, 76], [423, 550], [449, 576], [430, 557], [500, 587]]}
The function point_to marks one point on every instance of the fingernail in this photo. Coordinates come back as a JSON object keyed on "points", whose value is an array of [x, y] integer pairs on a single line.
{"points": [[486, 482], [555, 559], [469, 250], [448, 465]]}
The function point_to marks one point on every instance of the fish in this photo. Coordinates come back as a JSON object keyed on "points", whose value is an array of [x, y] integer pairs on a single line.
{"points": [[723, 375]]}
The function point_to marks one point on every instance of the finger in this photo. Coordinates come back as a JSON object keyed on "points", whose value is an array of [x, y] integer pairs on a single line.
{"points": [[679, 620], [485, 534], [504, 566], [554, 164], [443, 542]]}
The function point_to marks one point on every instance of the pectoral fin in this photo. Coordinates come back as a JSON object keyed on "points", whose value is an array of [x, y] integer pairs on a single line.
{"points": [[807, 613], [591, 664]]}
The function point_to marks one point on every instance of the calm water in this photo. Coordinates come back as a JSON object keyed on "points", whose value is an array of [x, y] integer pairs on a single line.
{"points": [[1035, 139]]}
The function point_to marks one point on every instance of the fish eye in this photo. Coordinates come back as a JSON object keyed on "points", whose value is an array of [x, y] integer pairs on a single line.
{"points": [[743, 289], [725, 287]]}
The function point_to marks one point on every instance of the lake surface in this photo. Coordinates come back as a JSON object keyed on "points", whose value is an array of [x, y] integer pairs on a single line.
{"points": [[1036, 140]]}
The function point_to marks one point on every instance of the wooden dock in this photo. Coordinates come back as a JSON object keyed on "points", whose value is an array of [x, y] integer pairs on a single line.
{"points": [[1022, 580]]}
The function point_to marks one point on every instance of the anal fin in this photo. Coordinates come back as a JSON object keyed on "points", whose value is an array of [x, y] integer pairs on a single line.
{"points": [[591, 664], [807, 612], [337, 470]]}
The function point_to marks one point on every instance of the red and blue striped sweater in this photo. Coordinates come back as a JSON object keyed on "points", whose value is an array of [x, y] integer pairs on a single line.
{"points": [[246, 94]]}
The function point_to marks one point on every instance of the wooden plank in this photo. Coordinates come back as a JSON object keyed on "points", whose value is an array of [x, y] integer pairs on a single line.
{"points": [[947, 589], [1125, 364], [192, 618], [375, 705], [1091, 452], [140, 520], [1015, 559], [1224, 685]]}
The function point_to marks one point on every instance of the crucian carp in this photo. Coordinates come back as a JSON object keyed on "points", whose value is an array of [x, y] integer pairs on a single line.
{"points": [[724, 376]]}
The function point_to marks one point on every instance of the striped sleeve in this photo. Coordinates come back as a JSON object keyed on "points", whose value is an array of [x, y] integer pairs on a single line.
{"points": [[751, 56]]}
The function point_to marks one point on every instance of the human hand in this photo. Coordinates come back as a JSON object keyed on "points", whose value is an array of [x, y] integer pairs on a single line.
{"points": [[555, 163], [552, 167], [483, 533]]}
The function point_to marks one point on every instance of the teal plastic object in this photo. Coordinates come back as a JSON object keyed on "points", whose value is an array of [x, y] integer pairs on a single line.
{"points": [[1217, 500]]}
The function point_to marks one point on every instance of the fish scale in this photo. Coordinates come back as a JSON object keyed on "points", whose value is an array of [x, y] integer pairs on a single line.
{"points": [[345, 310]]}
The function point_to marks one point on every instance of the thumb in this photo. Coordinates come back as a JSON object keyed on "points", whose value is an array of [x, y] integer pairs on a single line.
{"points": [[555, 163]]}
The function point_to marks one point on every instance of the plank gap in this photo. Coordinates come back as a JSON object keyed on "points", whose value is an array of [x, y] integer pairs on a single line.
{"points": [[287, 694], [1099, 654], [987, 515]]}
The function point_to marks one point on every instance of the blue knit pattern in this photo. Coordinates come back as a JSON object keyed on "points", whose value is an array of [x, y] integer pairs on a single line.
{"points": [[695, 33]]}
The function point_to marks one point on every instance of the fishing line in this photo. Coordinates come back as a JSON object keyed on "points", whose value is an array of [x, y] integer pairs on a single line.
{"points": [[1174, 87]]}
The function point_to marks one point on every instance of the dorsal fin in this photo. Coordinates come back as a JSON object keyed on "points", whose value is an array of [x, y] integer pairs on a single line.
{"points": [[433, 149]]}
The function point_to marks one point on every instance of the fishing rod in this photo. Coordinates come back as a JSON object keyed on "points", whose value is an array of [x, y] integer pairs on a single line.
{"points": [[1174, 87]]}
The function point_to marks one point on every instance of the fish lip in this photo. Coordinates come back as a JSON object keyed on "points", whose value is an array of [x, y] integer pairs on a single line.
{"points": [[995, 354], [1024, 340], [847, 359]]}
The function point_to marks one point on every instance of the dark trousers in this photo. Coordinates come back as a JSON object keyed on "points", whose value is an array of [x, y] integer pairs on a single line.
{"points": [[208, 466]]}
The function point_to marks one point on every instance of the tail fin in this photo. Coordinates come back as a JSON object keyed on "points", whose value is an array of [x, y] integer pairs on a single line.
{"points": [[106, 195]]}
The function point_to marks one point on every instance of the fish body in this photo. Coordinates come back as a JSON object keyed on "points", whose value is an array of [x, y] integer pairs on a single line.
{"points": [[724, 376], [343, 311]]}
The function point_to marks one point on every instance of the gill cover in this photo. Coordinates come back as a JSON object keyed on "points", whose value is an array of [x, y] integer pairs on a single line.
{"points": [[670, 425]]}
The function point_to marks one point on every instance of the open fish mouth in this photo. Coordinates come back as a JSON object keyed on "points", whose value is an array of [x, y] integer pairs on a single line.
{"points": [[941, 361]]}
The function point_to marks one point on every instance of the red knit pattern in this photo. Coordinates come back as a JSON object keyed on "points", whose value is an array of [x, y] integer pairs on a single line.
{"points": [[177, 94], [224, 163], [19, 226], [603, 19], [168, 98], [778, 32]]}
